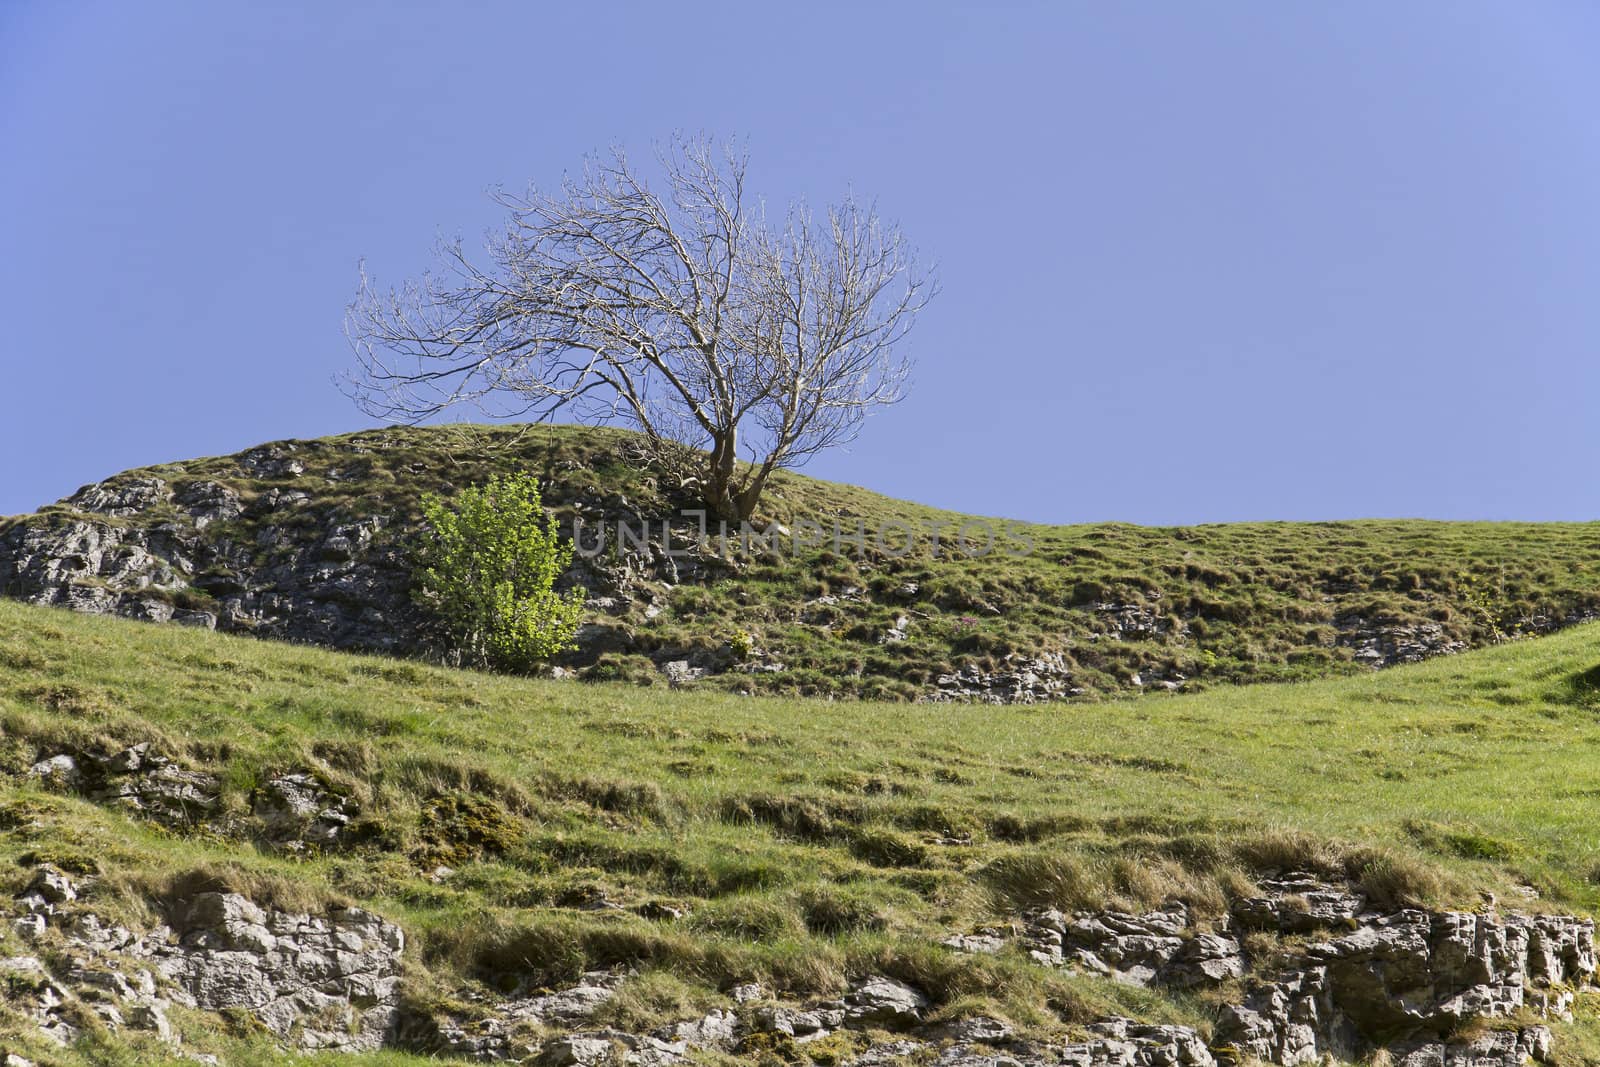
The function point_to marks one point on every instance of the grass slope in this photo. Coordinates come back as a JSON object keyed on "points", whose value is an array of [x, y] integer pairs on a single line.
{"points": [[1242, 602], [804, 840]]}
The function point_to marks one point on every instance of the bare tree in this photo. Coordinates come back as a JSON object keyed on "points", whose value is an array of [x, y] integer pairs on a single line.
{"points": [[683, 312]]}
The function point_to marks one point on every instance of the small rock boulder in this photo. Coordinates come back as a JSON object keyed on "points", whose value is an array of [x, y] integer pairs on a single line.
{"points": [[880, 1001]]}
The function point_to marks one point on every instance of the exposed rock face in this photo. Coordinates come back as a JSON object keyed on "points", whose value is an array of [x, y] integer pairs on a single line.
{"points": [[1349, 979], [281, 564], [1159, 947], [1408, 982], [1023, 680], [1119, 1042], [140, 548], [1299, 904], [885, 1002], [1414, 977], [293, 810], [502, 1032], [1418, 975], [319, 982], [1498, 1048], [1383, 644], [1156, 947], [89, 566], [137, 779], [1345, 979], [119, 991], [1132, 620]]}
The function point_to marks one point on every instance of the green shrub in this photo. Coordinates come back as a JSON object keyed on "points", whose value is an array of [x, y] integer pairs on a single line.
{"points": [[486, 569]]}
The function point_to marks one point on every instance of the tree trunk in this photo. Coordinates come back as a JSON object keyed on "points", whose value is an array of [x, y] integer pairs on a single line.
{"points": [[720, 495], [746, 499]]}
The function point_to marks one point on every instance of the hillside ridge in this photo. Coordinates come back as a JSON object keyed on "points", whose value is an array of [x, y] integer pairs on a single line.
{"points": [[307, 541]]}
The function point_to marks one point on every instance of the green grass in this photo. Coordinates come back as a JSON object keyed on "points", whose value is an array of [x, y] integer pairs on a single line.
{"points": [[806, 840], [1244, 602]]}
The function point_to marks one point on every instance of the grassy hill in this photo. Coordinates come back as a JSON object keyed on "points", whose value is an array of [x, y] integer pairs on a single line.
{"points": [[709, 839], [306, 540]]}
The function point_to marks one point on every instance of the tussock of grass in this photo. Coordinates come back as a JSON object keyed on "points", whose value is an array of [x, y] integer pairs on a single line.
{"points": [[653, 998], [1010, 986], [268, 888]]}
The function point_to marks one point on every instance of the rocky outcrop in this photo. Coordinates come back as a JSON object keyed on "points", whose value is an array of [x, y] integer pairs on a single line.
{"points": [[198, 552], [1160, 947], [506, 1030], [281, 562], [1119, 1042], [1021, 680], [59, 997], [1157, 947], [1379, 644], [318, 982], [1430, 989], [1419, 975], [332, 982], [1407, 981], [884, 1002], [297, 810], [137, 779], [293, 810], [1345, 980], [1338, 977], [315, 981], [1299, 904]]}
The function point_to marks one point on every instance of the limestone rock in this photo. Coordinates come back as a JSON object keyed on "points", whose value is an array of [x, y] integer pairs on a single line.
{"points": [[295, 808], [29, 927], [60, 772], [611, 1046], [1497, 1048], [1022, 680], [794, 1023], [1125, 1043], [208, 502], [718, 1029], [576, 1050], [326, 982], [982, 942], [51, 886], [884, 1002], [148, 783], [272, 461], [1156, 947], [977, 1029], [1385, 644], [258, 545], [680, 673], [1205, 959], [894, 1053], [121, 497], [1411, 978], [567, 1005], [1299, 904]]}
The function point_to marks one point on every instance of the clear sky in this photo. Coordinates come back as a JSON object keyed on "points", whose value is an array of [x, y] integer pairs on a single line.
{"points": [[1201, 262]]}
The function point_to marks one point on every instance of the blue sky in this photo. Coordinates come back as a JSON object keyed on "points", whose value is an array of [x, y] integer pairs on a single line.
{"points": [[1200, 262]]}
